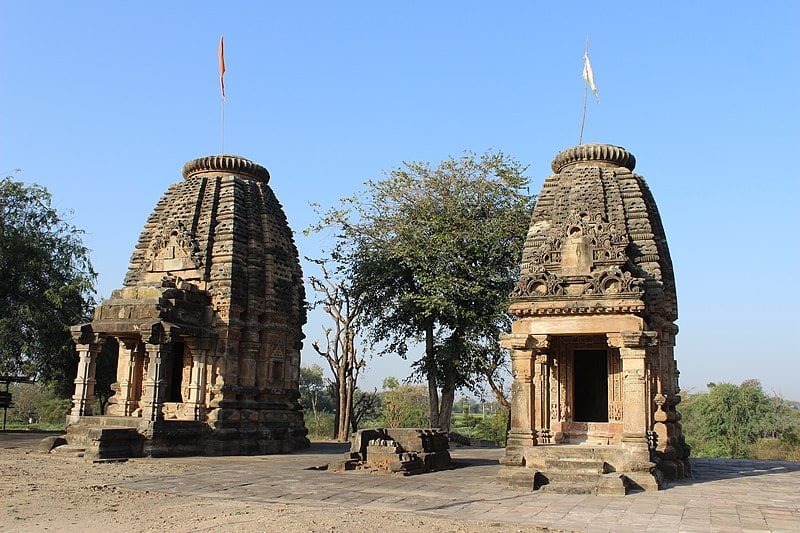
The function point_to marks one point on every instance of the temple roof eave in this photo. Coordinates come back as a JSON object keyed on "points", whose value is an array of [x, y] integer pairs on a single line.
{"points": [[136, 328]]}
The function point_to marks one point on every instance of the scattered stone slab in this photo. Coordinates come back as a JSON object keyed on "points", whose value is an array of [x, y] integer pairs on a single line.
{"points": [[47, 444], [404, 451]]}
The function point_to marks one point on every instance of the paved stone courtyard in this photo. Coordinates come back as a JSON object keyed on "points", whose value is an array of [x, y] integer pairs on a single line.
{"points": [[725, 495]]}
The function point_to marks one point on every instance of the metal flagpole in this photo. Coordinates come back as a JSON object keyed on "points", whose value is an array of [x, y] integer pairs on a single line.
{"points": [[583, 118], [585, 92], [221, 58]]}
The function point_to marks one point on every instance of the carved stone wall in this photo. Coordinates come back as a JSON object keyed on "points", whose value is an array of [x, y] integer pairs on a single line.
{"points": [[596, 278], [595, 207], [216, 264]]}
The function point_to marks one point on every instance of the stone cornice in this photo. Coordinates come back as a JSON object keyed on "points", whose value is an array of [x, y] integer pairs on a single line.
{"points": [[226, 164], [522, 311], [594, 153]]}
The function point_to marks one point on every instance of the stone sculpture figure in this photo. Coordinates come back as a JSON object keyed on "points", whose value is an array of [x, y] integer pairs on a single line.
{"points": [[595, 381], [576, 254]]}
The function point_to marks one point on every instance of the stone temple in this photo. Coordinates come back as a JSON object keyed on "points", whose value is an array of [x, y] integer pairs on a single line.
{"points": [[209, 324], [595, 380]]}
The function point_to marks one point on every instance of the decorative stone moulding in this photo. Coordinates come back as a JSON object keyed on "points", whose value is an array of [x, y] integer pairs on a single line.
{"points": [[225, 163], [595, 153]]}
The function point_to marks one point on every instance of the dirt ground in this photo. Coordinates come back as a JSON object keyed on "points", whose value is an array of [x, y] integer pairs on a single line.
{"points": [[50, 493]]}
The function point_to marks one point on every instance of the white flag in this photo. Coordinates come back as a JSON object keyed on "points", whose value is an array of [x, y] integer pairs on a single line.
{"points": [[588, 75]]}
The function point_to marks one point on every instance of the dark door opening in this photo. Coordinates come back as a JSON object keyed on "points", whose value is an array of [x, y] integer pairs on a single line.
{"points": [[591, 385], [175, 374]]}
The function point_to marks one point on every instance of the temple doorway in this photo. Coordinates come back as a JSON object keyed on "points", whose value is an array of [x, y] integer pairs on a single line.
{"points": [[591, 385], [174, 375]]}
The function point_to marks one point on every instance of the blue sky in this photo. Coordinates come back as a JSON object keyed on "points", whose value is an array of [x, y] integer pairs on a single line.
{"points": [[102, 102]]}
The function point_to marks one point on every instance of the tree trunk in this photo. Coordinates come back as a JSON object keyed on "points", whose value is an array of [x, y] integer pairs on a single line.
{"points": [[430, 369], [341, 429], [344, 428], [508, 425], [334, 389], [498, 391], [315, 412], [446, 408]]}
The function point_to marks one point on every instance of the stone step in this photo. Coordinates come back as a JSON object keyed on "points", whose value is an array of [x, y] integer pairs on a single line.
{"points": [[70, 450], [103, 442], [116, 421], [572, 483], [577, 464], [88, 435], [559, 476]]}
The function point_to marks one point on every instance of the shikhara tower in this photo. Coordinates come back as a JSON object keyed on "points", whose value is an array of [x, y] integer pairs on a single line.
{"points": [[595, 380], [209, 324]]}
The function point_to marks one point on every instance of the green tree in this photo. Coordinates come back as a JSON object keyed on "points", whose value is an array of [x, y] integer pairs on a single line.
{"points": [[403, 405], [27, 398], [493, 427], [47, 286], [727, 419], [314, 395], [37, 403], [434, 252], [366, 407]]}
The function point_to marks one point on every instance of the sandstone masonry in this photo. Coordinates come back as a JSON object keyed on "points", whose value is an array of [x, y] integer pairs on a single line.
{"points": [[595, 380], [209, 323]]}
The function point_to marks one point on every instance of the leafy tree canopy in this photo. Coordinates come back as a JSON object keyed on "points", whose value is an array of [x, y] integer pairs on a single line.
{"points": [[46, 285], [434, 251], [729, 418]]}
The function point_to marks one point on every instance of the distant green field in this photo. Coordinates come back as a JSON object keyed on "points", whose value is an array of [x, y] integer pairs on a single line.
{"points": [[19, 426]]}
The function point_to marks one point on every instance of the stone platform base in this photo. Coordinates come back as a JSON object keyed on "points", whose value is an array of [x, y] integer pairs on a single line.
{"points": [[580, 469], [116, 437]]}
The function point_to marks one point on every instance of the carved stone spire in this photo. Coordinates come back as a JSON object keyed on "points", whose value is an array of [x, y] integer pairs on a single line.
{"points": [[596, 242]]}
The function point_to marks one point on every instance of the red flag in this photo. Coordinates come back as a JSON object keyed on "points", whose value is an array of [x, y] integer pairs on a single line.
{"points": [[221, 54]]}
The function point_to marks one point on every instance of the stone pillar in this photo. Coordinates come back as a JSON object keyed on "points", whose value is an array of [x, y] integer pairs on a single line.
{"points": [[88, 344], [199, 349], [636, 404], [521, 433], [541, 389], [527, 394], [153, 393], [129, 355]]}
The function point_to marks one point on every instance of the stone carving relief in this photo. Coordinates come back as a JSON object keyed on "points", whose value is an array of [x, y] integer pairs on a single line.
{"points": [[614, 281], [174, 249], [539, 284], [580, 242], [585, 245]]}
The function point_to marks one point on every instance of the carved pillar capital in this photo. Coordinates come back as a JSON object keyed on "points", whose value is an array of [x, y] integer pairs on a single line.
{"points": [[159, 333], [84, 334], [196, 344], [514, 341], [539, 343], [130, 343], [632, 339], [524, 341]]}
